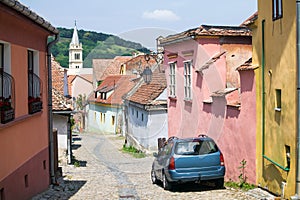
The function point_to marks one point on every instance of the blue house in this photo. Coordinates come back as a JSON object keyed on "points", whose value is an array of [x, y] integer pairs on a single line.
{"points": [[146, 113]]}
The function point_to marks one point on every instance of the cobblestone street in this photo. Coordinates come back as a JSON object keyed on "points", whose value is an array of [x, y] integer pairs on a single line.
{"points": [[107, 173]]}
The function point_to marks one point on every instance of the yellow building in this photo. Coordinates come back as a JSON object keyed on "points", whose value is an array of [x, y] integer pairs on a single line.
{"points": [[275, 51]]}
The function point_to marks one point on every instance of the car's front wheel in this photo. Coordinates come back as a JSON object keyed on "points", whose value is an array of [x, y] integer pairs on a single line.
{"points": [[166, 184], [153, 177]]}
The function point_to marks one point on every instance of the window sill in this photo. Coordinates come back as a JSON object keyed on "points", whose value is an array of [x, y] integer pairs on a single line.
{"points": [[208, 101], [172, 98], [19, 119], [188, 100]]}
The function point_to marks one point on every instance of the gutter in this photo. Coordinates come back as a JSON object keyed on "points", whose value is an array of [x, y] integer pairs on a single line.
{"points": [[50, 117], [264, 103]]}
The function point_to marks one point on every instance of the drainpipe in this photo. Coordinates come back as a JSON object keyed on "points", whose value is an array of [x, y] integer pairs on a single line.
{"points": [[298, 97], [263, 85], [50, 122], [264, 103]]}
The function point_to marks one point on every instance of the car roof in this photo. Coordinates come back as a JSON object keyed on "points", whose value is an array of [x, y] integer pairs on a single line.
{"points": [[200, 138]]}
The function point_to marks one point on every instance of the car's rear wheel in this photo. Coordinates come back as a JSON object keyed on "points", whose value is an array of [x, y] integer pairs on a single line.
{"points": [[153, 177], [166, 184], [220, 183]]}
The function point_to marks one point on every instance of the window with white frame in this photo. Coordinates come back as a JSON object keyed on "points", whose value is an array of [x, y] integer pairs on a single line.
{"points": [[188, 80], [277, 9], [5, 83], [172, 86]]}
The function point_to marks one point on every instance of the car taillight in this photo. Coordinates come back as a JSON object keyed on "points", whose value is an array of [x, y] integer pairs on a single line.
{"points": [[172, 163], [222, 162]]}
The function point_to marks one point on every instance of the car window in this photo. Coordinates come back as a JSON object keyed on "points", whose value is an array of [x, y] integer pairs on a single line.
{"points": [[166, 150], [207, 147], [195, 147]]}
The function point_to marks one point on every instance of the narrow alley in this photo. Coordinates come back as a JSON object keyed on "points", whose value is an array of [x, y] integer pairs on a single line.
{"points": [[104, 172]]}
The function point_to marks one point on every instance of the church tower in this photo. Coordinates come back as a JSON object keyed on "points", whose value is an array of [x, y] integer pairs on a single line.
{"points": [[75, 54]]}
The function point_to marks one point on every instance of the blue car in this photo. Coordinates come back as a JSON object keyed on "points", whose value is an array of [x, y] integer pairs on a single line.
{"points": [[188, 160]]}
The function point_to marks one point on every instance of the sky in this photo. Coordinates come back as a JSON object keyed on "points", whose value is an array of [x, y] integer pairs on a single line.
{"points": [[142, 21]]}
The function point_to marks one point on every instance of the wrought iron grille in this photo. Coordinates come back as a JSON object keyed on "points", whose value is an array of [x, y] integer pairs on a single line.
{"points": [[34, 86], [7, 85]]}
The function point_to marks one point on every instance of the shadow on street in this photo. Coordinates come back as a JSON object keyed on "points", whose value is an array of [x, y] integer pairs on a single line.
{"points": [[193, 187]]}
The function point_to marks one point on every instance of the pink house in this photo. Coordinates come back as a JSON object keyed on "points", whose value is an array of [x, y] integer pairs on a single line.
{"points": [[211, 91], [26, 137]]}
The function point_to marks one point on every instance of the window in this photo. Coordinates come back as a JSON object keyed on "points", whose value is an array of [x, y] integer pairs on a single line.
{"points": [[77, 56], [103, 117], [2, 194], [187, 80], [137, 114], [1, 55], [142, 116], [26, 180], [195, 147], [172, 91], [6, 85], [112, 120], [278, 100], [34, 83], [277, 9], [6, 80], [1, 69], [103, 95]]}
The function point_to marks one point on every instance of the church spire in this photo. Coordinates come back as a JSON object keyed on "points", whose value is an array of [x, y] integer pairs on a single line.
{"points": [[75, 39], [75, 54]]}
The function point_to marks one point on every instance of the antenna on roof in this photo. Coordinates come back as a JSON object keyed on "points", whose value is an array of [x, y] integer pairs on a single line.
{"points": [[75, 22]]}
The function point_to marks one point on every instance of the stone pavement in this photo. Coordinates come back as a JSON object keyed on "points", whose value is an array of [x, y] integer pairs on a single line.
{"points": [[107, 173]]}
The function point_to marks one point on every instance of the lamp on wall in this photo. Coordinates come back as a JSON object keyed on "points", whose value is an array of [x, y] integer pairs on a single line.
{"points": [[147, 73], [158, 57]]}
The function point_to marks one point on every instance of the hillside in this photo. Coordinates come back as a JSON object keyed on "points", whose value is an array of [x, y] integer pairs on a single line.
{"points": [[95, 45]]}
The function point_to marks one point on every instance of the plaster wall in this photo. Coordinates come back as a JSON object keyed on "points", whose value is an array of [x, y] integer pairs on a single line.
{"points": [[147, 126], [81, 86], [105, 123], [233, 128], [280, 73], [24, 141], [60, 123]]}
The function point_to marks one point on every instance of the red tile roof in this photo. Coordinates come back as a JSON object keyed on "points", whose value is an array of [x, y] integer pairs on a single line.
{"points": [[146, 94], [138, 61], [70, 80], [250, 20], [59, 101], [87, 77], [99, 66], [118, 84], [57, 76], [114, 67], [208, 30]]}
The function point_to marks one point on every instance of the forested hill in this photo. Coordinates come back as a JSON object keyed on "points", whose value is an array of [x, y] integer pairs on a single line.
{"points": [[95, 45]]}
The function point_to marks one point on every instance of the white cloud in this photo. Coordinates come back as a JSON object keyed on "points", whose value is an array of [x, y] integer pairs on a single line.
{"points": [[162, 15]]}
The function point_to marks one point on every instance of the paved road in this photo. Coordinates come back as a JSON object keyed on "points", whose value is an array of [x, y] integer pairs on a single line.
{"points": [[107, 173]]}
